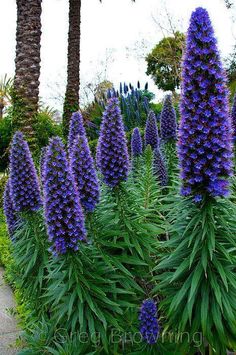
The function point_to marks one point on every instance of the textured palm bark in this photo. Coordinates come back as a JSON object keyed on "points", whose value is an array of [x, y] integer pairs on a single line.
{"points": [[71, 103], [27, 66]]}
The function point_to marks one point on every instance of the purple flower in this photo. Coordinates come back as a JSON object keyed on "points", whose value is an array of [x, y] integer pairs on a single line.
{"points": [[168, 125], [42, 164], [149, 327], [151, 131], [84, 172], [76, 127], [63, 213], [9, 210], [159, 167], [136, 143], [233, 116], [205, 135], [112, 152], [23, 177]]}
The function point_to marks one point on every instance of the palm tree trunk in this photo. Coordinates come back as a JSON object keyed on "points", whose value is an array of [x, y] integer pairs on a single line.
{"points": [[1, 110], [27, 66], [71, 102]]}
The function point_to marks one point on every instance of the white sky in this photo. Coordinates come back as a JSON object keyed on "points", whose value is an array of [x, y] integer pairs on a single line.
{"points": [[114, 26]]}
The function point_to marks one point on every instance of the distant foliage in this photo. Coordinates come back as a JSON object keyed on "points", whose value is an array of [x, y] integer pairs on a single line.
{"points": [[135, 104], [45, 128], [164, 62]]}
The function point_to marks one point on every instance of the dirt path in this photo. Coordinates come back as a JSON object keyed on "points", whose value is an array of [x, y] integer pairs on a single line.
{"points": [[8, 325]]}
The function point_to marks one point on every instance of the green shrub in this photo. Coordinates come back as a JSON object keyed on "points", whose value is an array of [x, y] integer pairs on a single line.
{"points": [[93, 146], [3, 181], [4, 241], [46, 128], [6, 131]]}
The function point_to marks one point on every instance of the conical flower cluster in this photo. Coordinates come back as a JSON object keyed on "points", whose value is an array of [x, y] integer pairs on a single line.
{"points": [[76, 127], [9, 210], [84, 172], [63, 212], [168, 126], [205, 139], [136, 143], [233, 116], [159, 167], [151, 131], [149, 327], [112, 152], [24, 181]]}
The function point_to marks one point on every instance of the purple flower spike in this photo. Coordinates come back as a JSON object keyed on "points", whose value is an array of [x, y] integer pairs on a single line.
{"points": [[233, 116], [168, 125], [136, 143], [112, 152], [63, 212], [205, 135], [151, 131], [159, 167], [24, 181], [9, 210], [149, 327], [76, 127], [84, 172]]}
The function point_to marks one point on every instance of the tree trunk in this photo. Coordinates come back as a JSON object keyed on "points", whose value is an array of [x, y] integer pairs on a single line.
{"points": [[1, 110], [27, 66], [71, 102]]}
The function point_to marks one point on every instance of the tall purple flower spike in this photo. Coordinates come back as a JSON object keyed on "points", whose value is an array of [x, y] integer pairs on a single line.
{"points": [[9, 210], [112, 153], [24, 181], [63, 212], [168, 124], [84, 172], [136, 143], [149, 327], [160, 168], [76, 127], [205, 136], [151, 131], [233, 116]]}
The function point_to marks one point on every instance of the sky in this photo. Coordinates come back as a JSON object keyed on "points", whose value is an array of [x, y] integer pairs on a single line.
{"points": [[115, 37]]}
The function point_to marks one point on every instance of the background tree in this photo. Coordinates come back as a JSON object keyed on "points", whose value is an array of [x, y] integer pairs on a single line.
{"points": [[228, 4], [71, 102], [27, 66], [164, 62]]}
